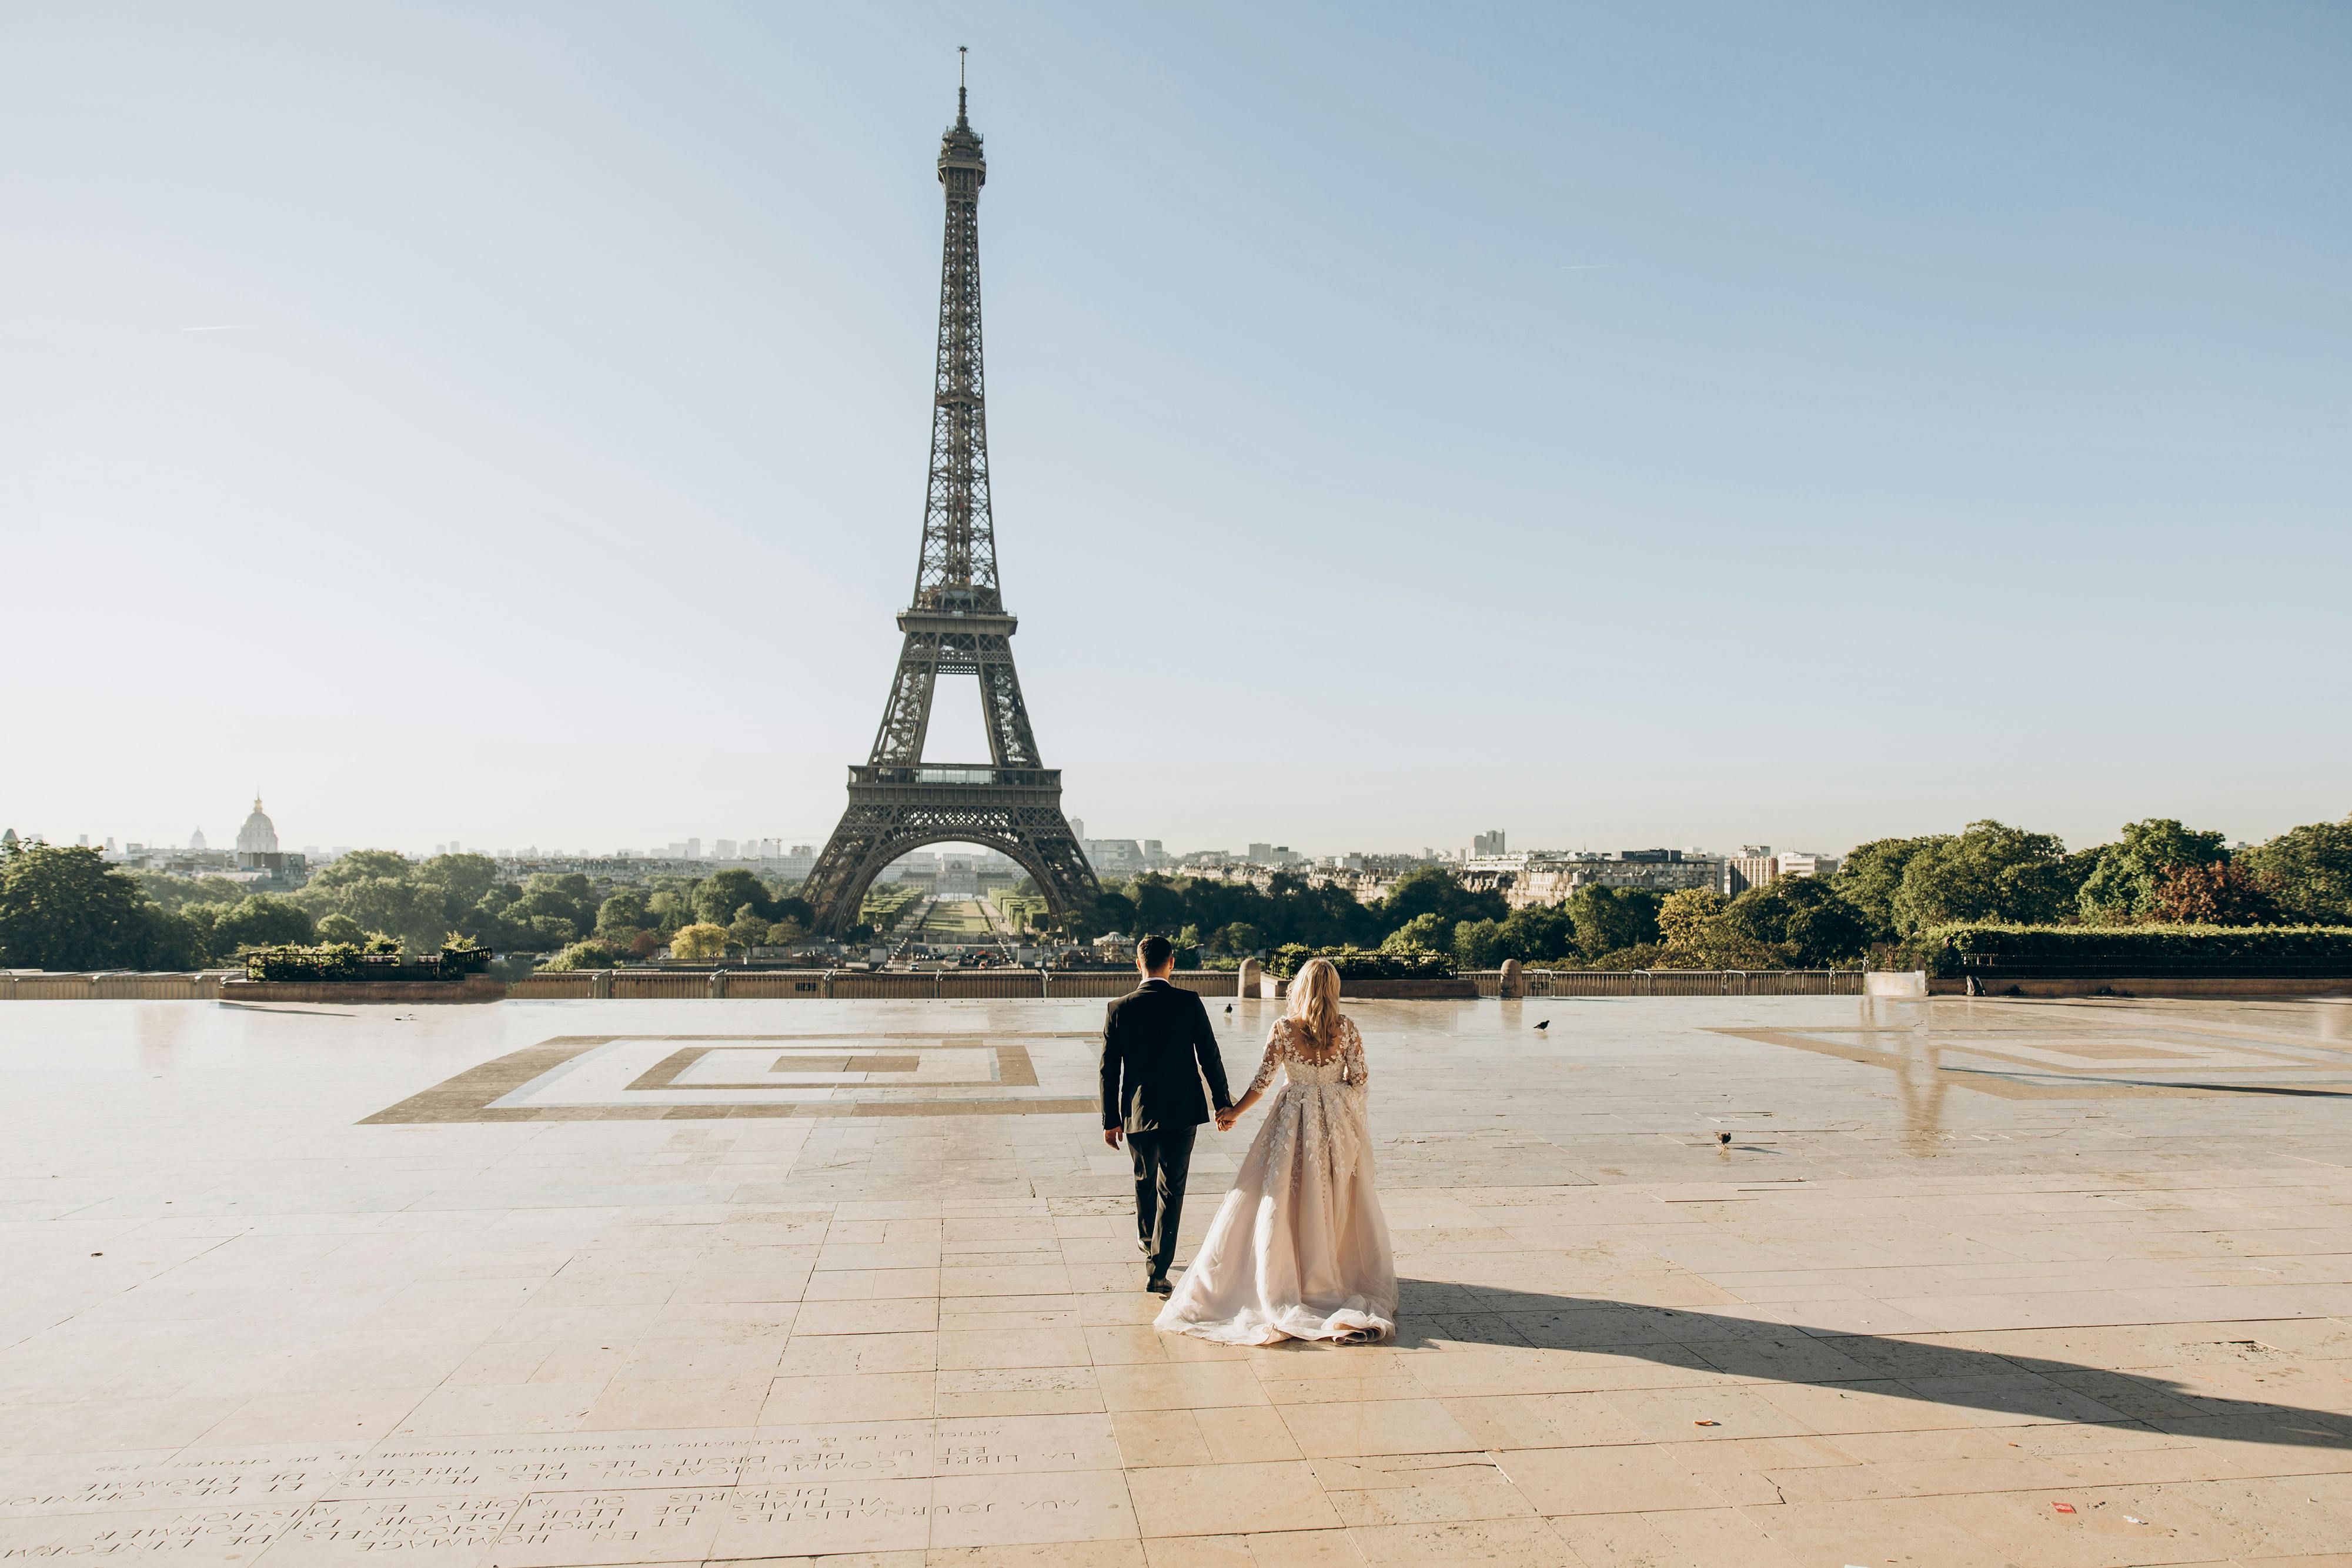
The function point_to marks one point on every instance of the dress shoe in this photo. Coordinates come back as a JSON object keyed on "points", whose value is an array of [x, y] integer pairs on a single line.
{"points": [[1158, 1285]]}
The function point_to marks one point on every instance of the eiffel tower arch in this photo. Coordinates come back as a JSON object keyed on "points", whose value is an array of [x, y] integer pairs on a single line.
{"points": [[956, 623]]}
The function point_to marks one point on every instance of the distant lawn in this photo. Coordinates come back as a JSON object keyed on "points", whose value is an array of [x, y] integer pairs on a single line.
{"points": [[959, 915]]}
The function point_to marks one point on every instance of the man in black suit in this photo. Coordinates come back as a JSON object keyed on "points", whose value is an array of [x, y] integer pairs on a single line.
{"points": [[1156, 1047]]}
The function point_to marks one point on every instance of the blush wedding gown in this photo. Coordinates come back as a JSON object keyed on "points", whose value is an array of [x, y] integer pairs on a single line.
{"points": [[1299, 1249]]}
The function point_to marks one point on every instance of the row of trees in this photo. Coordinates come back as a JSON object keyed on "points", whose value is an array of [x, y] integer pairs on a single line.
{"points": [[2157, 872], [1886, 891], [65, 908]]}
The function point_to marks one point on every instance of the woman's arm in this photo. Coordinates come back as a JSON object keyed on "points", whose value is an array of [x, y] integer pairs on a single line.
{"points": [[1265, 1069]]}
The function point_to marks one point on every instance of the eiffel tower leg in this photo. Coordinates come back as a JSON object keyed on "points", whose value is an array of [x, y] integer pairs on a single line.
{"points": [[895, 811]]}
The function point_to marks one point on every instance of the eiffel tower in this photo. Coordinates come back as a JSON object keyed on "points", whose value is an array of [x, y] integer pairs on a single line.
{"points": [[955, 624]]}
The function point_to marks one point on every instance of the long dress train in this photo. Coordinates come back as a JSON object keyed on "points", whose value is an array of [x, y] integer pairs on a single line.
{"points": [[1299, 1249]]}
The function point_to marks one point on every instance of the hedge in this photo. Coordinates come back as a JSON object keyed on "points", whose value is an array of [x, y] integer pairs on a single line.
{"points": [[1363, 964], [2058, 951], [348, 961]]}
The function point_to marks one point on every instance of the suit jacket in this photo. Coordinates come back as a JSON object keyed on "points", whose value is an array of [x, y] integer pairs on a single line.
{"points": [[1156, 1047]]}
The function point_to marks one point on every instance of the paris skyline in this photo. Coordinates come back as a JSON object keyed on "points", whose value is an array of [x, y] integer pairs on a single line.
{"points": [[1631, 431]]}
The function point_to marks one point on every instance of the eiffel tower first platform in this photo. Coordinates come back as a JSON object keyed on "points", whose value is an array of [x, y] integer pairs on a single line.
{"points": [[955, 624]]}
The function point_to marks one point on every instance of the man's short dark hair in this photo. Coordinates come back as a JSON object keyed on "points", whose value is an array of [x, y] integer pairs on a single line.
{"points": [[1155, 951]]}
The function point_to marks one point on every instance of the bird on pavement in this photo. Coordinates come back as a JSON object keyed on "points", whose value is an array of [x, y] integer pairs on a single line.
{"points": [[1546, 1024]]}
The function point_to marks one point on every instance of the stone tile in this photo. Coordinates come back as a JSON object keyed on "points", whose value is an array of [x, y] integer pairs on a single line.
{"points": [[1504, 1542], [1179, 1387], [1376, 1427], [1019, 1391], [974, 1349], [863, 1315], [1419, 1489], [1023, 1510], [872, 1397], [1229, 1499]]}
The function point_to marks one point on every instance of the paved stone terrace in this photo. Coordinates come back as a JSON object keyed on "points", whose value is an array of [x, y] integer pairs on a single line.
{"points": [[565, 1283]]}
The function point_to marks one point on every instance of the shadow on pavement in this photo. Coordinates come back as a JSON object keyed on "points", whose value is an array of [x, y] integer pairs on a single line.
{"points": [[1926, 1368]]}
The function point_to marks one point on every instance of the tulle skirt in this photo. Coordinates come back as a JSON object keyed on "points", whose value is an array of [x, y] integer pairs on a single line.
{"points": [[1299, 1249]]}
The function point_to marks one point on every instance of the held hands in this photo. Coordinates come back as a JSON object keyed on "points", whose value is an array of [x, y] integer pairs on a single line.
{"points": [[1227, 1117], [1110, 1137]]}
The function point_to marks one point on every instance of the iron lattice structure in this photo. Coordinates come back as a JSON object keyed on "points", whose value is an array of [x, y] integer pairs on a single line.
{"points": [[956, 623]]}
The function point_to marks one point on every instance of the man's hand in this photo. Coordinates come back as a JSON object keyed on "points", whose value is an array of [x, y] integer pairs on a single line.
{"points": [[1110, 1137], [1227, 1117]]}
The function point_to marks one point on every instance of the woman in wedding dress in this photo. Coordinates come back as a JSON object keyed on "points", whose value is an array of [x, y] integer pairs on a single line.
{"points": [[1299, 1249]]}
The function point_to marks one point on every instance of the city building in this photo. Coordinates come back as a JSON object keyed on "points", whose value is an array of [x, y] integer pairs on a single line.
{"points": [[259, 864], [1795, 862], [1485, 844], [1113, 857], [1751, 867], [1546, 878]]}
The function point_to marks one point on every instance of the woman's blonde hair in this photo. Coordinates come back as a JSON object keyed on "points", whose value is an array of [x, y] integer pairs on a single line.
{"points": [[1315, 1002]]}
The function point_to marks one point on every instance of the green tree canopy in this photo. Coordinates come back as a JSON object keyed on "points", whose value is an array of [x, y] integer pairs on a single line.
{"points": [[262, 920], [1802, 916], [2219, 893], [1428, 932], [1158, 907], [718, 896], [1872, 875], [1608, 918], [701, 943], [1478, 944], [463, 879], [583, 956], [1685, 917], [623, 911], [65, 908], [2121, 886], [176, 894], [1434, 890], [2308, 871], [566, 897], [749, 928], [340, 927], [400, 907], [1990, 872], [362, 864], [1237, 938], [1536, 935]]}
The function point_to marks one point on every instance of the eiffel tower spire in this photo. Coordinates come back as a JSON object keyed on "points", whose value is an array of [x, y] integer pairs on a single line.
{"points": [[954, 623]]}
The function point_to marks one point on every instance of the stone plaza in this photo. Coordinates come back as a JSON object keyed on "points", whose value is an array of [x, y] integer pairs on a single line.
{"points": [[1829, 1281]]}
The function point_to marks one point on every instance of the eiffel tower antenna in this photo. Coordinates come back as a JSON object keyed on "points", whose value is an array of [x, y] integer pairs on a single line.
{"points": [[955, 622]]}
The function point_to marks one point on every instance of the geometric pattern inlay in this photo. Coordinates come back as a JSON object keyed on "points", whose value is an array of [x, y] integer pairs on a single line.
{"points": [[2092, 1062], [682, 1077]]}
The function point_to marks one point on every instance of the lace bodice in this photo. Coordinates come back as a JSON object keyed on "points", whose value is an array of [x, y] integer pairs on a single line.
{"points": [[1286, 1047]]}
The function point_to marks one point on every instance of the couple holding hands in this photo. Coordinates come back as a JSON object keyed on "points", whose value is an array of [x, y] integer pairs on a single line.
{"points": [[1299, 1248]]}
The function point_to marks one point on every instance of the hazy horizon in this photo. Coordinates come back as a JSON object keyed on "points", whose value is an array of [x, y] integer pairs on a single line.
{"points": [[1705, 427]]}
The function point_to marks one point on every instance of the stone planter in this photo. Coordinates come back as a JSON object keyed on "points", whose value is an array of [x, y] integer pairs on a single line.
{"points": [[473, 989]]}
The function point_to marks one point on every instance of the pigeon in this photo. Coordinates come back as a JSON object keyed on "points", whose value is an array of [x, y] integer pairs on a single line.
{"points": [[1723, 1137], [1546, 1024], [1229, 1007]]}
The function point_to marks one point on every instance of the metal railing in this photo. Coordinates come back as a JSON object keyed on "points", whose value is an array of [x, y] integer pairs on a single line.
{"points": [[115, 986], [1001, 983], [836, 985], [1680, 982]]}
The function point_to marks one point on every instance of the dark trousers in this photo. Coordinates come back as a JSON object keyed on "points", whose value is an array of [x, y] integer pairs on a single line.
{"points": [[1162, 1160]]}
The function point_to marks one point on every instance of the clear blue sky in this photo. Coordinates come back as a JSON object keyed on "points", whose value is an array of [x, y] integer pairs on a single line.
{"points": [[1618, 425]]}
